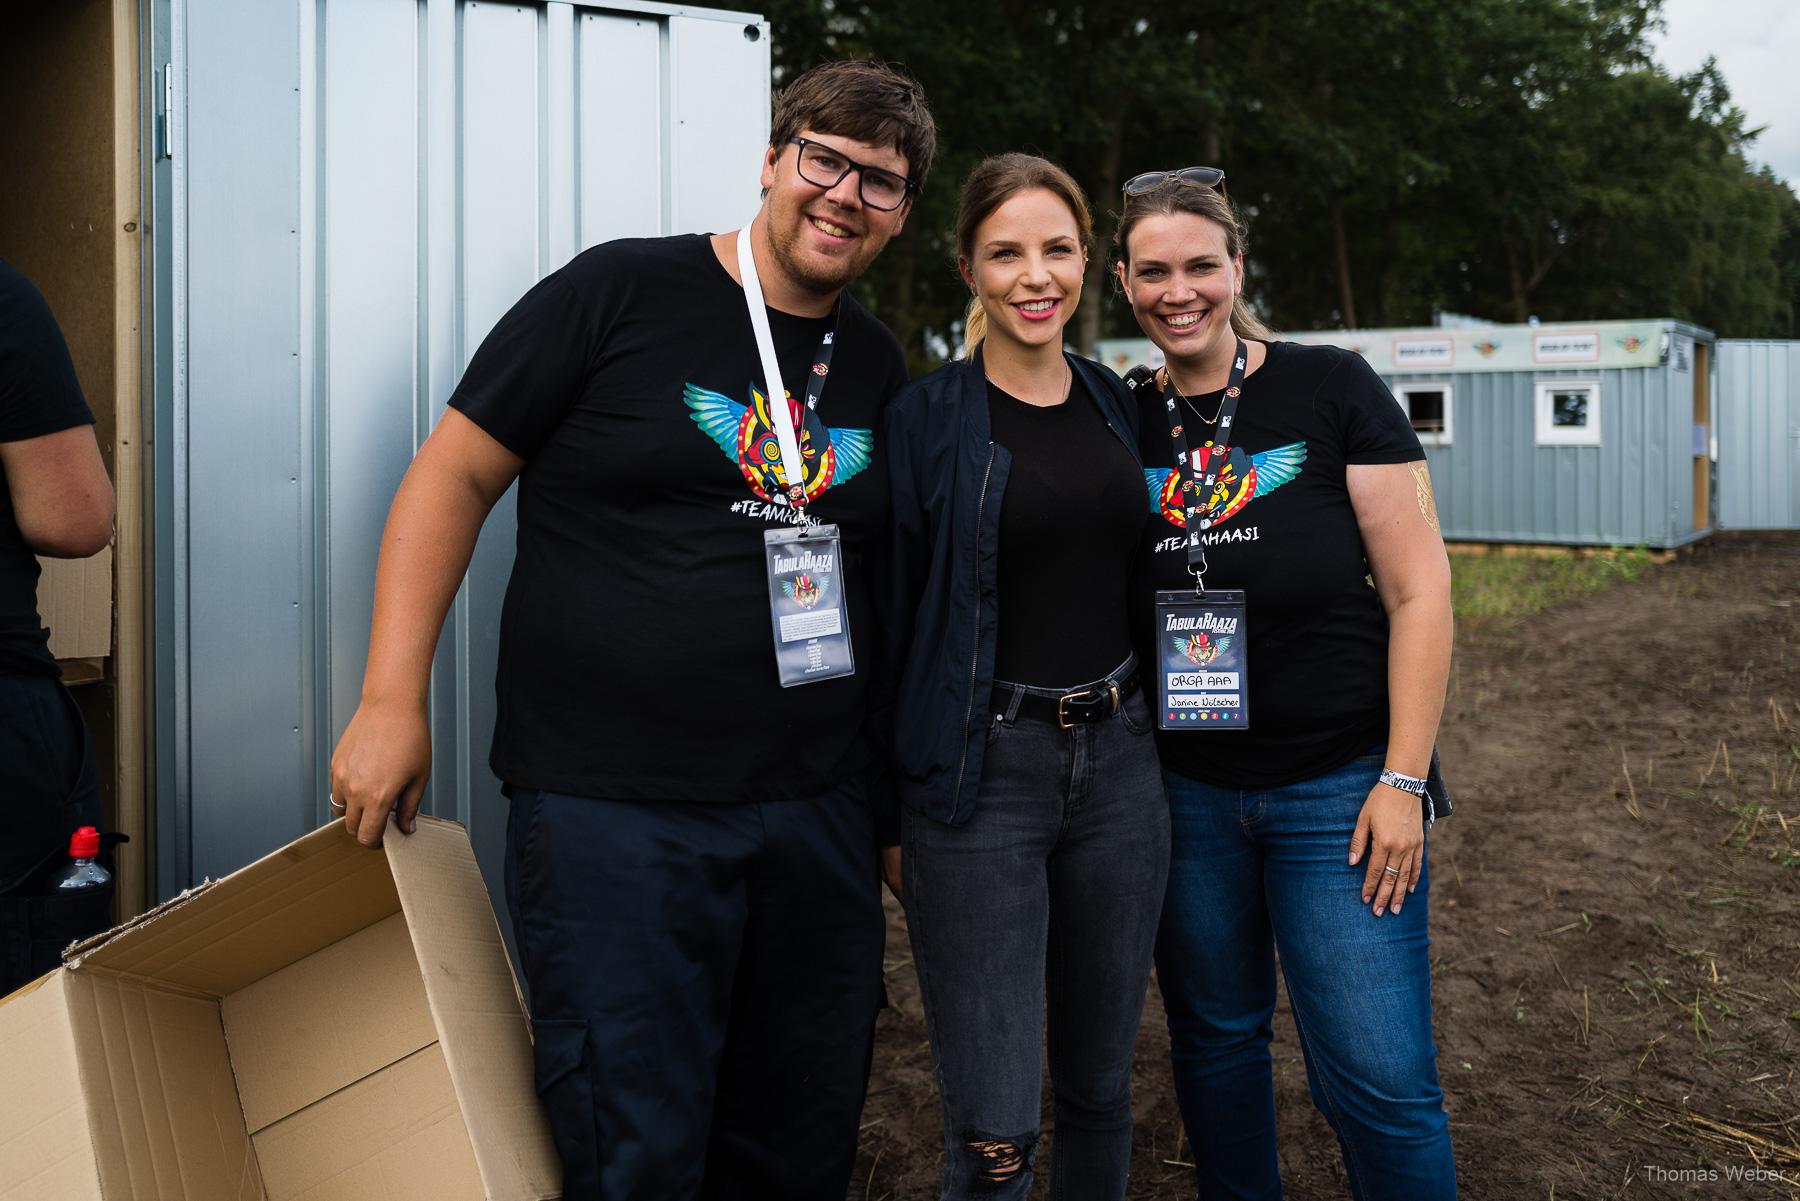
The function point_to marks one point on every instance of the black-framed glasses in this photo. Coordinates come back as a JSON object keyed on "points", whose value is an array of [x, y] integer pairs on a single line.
{"points": [[823, 167], [1200, 177]]}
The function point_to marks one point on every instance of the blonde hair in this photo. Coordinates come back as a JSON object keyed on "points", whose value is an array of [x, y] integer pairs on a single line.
{"points": [[991, 184], [974, 327], [1177, 196]]}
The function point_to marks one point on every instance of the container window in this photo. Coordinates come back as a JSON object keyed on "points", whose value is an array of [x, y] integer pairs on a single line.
{"points": [[1428, 407], [1568, 413]]}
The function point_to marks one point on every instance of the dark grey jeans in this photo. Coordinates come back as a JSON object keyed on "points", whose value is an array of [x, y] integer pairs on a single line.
{"points": [[1050, 892]]}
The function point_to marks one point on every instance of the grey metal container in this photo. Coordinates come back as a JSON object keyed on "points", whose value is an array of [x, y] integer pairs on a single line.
{"points": [[1594, 434], [351, 193], [1759, 435]]}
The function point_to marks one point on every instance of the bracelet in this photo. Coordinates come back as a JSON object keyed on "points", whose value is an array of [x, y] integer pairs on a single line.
{"points": [[1412, 784]]}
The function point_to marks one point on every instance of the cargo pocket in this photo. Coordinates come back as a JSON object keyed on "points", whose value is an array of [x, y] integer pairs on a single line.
{"points": [[565, 1084], [34, 929], [32, 796]]}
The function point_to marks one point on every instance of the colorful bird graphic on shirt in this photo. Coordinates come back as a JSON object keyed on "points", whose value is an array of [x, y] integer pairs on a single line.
{"points": [[1244, 478], [1200, 649], [806, 591], [747, 436]]}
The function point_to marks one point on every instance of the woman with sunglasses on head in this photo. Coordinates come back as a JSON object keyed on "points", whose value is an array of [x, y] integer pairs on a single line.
{"points": [[1034, 825], [1296, 766]]}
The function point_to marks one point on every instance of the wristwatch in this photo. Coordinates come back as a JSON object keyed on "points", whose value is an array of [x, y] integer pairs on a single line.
{"points": [[1412, 784]]}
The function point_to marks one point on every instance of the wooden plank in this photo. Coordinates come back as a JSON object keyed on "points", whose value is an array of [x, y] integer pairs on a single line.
{"points": [[1548, 550], [82, 671], [131, 680]]}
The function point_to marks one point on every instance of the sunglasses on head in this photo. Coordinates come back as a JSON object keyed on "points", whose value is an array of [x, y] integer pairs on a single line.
{"points": [[1200, 177]]}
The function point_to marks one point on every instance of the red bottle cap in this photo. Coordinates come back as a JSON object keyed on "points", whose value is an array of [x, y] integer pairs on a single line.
{"points": [[84, 843]]}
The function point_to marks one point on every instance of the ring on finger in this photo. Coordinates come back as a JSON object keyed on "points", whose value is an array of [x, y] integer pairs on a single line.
{"points": [[336, 805], [1391, 870]]}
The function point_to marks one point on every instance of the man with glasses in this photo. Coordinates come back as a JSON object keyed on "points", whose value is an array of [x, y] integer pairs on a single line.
{"points": [[691, 851]]}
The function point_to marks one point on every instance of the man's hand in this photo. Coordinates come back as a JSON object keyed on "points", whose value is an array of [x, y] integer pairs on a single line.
{"points": [[890, 871], [384, 758], [380, 766]]}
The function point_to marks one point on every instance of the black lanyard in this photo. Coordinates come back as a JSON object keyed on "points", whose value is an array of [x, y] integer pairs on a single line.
{"points": [[815, 388], [1188, 460], [815, 379]]}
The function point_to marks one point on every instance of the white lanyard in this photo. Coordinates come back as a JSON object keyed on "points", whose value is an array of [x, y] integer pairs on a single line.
{"points": [[780, 415]]}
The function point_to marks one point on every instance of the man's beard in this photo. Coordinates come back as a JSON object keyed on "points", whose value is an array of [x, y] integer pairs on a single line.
{"points": [[784, 245]]}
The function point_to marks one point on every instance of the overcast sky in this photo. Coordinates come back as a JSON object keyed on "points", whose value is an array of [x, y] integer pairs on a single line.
{"points": [[1757, 43]]}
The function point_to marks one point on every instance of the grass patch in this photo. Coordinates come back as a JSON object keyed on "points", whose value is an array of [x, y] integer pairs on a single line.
{"points": [[1494, 588]]}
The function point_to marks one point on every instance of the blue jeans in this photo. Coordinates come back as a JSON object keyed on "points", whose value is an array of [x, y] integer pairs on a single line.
{"points": [[1050, 892], [1254, 872]]}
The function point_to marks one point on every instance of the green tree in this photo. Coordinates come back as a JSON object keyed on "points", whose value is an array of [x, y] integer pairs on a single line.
{"points": [[1393, 158], [1787, 256]]}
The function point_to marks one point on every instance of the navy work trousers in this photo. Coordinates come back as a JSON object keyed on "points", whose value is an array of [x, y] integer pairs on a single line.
{"points": [[704, 983], [48, 788]]}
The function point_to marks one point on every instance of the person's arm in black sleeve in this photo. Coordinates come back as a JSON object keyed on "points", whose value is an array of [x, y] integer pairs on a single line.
{"points": [[61, 497], [897, 575]]}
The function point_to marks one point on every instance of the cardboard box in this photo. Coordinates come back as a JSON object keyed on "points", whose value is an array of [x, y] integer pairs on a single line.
{"points": [[328, 1024], [75, 600]]}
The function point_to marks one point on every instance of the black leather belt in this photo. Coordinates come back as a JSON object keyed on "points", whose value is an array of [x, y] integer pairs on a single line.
{"points": [[1082, 707]]}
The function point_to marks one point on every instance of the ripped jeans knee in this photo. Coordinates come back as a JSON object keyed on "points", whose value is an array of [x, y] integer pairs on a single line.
{"points": [[993, 1164]]}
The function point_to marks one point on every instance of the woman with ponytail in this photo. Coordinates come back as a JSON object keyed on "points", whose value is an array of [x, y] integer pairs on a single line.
{"points": [[1288, 473], [1034, 825]]}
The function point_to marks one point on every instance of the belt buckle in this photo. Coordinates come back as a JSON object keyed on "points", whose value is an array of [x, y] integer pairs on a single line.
{"points": [[1086, 697]]}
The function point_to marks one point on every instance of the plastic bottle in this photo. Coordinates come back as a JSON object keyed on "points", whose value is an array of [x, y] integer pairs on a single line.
{"points": [[84, 846]]}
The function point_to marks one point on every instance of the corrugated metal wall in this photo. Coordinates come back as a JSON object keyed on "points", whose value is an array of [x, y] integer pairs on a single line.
{"points": [[1759, 435], [358, 189], [1494, 484]]}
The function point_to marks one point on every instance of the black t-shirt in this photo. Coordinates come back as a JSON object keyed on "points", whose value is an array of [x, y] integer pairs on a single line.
{"points": [[636, 655], [38, 395], [1317, 650], [1069, 526]]}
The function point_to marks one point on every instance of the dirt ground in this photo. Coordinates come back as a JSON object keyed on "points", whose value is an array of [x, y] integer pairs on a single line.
{"points": [[1615, 915]]}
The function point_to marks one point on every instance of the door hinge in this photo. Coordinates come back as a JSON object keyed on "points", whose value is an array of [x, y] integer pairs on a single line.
{"points": [[165, 119]]}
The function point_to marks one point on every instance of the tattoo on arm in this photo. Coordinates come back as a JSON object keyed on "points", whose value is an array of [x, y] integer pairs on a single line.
{"points": [[1422, 491]]}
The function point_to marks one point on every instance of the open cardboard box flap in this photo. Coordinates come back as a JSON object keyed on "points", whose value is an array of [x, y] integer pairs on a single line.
{"points": [[329, 1022]]}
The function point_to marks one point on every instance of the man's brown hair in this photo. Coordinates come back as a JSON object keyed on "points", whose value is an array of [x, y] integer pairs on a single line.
{"points": [[868, 101]]}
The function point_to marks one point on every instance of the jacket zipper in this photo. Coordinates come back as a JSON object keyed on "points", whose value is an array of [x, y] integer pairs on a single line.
{"points": [[975, 653]]}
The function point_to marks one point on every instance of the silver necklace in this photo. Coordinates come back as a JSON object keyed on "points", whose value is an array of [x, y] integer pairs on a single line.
{"points": [[1194, 408]]}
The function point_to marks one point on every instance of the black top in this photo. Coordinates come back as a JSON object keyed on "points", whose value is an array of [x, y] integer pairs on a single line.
{"points": [[636, 656], [1069, 526], [1317, 651], [38, 395], [939, 589]]}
